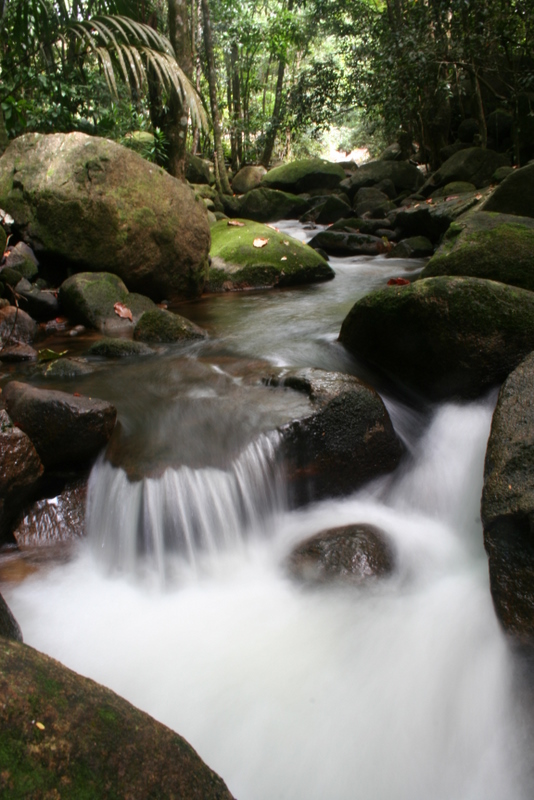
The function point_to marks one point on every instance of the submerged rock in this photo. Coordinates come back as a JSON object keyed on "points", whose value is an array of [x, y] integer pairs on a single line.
{"points": [[351, 554], [159, 325], [65, 736], [119, 348], [443, 337], [237, 263]]}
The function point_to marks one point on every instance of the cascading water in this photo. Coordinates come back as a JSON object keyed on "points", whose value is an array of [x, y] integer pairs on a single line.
{"points": [[404, 690]]}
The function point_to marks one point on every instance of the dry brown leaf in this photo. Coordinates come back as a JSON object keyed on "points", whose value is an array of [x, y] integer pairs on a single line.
{"points": [[284, 258], [260, 242], [478, 197], [123, 311], [234, 223], [268, 225]]}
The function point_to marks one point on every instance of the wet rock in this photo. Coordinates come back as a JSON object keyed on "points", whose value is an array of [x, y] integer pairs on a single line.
{"points": [[331, 210], [431, 219], [16, 326], [20, 469], [248, 178], [236, 263], [413, 247], [23, 259], [474, 165], [41, 305], [338, 243], [498, 247], [62, 730], [91, 204], [15, 353], [119, 348], [89, 298], [443, 337], [347, 440], [369, 200], [403, 175], [304, 175], [10, 276], [54, 519], [62, 368], [9, 627], [164, 326], [355, 554], [267, 205], [515, 195], [508, 503], [64, 428]]}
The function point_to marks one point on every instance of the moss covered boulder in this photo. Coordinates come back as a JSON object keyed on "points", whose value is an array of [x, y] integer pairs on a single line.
{"points": [[248, 178], [304, 176], [474, 165], [266, 205], [279, 260], [160, 325], [90, 298], [92, 204], [64, 736], [443, 337], [499, 247], [508, 503], [515, 195], [119, 348]]}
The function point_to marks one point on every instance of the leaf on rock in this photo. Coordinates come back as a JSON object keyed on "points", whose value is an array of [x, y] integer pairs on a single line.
{"points": [[398, 282], [123, 311], [260, 242], [284, 258], [234, 223], [268, 225]]}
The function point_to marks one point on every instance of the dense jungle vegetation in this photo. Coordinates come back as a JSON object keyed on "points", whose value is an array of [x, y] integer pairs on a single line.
{"points": [[257, 81]]}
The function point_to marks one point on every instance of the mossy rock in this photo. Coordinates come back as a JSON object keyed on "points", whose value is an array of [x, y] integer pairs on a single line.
{"points": [[283, 261], [483, 245], [304, 175], [64, 736], [119, 348], [443, 337], [266, 205], [62, 368], [515, 195], [160, 325], [22, 258], [89, 298], [413, 247], [456, 187], [474, 165], [10, 276], [403, 175]]}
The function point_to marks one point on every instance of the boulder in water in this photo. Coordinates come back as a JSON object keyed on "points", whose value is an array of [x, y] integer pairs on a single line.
{"points": [[65, 736], [51, 520], [339, 243], [443, 337], [413, 247], [372, 201], [304, 175], [20, 469], [160, 325], [431, 219], [266, 205], [354, 554]]}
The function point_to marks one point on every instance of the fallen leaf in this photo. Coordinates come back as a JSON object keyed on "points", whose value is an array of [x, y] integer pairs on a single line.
{"points": [[234, 223], [123, 311], [40, 726], [478, 197], [452, 197], [268, 225], [429, 201], [76, 394], [284, 258], [398, 282], [259, 242], [286, 243], [50, 355]]}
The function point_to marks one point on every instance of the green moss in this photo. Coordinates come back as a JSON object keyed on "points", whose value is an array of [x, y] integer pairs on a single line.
{"points": [[164, 326], [88, 298], [119, 348], [305, 174]]}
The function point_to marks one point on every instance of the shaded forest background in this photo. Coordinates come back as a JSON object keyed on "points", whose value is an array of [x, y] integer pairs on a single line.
{"points": [[259, 81]]}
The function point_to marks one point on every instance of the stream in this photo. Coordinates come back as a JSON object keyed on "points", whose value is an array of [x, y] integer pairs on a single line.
{"points": [[180, 601]]}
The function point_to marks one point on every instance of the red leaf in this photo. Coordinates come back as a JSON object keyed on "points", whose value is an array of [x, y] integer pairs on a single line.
{"points": [[398, 282], [123, 311]]}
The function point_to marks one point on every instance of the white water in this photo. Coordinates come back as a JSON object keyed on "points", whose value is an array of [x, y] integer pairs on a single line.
{"points": [[402, 692]]}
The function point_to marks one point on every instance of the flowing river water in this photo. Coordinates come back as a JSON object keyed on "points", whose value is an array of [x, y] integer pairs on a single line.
{"points": [[180, 601]]}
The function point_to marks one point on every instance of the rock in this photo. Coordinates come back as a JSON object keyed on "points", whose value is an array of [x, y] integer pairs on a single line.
{"points": [[237, 264], [456, 187], [369, 200], [304, 175], [501, 173], [20, 469], [16, 327], [89, 743], [333, 209], [164, 326], [41, 305], [10, 276], [354, 554], [357, 225], [89, 298], [54, 519], [64, 368], [474, 165], [15, 353], [403, 175], [248, 178], [467, 130], [119, 348], [443, 337], [392, 152], [515, 195], [94, 205], [267, 205], [388, 187], [346, 441], [499, 125], [197, 169], [9, 627], [498, 247], [414, 247], [64, 428], [431, 219], [508, 504], [23, 259], [3, 241], [337, 243]]}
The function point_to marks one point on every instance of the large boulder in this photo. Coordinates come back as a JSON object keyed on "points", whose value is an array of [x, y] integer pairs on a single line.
{"points": [[248, 178], [94, 205], [403, 175], [482, 245], [20, 469], [304, 175], [329, 210], [346, 440], [90, 298], [508, 503], [443, 337], [515, 195], [237, 263], [474, 165], [65, 736], [65, 429], [355, 554], [266, 205], [432, 218]]}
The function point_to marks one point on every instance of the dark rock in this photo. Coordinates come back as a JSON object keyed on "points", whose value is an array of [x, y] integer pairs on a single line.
{"points": [[403, 175], [414, 247], [455, 188], [369, 200], [54, 519], [20, 469], [388, 187], [467, 130], [498, 247], [267, 205], [501, 173], [515, 195], [358, 225], [431, 220], [94, 205], [62, 368], [354, 554], [443, 337], [16, 327], [9, 627], [119, 348], [15, 353], [392, 152], [23, 259], [304, 175], [337, 243], [89, 743], [499, 125], [451, 149], [332, 210], [164, 326], [508, 503], [474, 165], [41, 305], [197, 169], [346, 441], [10, 276], [64, 428], [248, 178]]}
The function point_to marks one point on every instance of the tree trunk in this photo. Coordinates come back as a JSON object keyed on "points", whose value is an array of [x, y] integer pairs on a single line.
{"points": [[176, 119], [212, 81], [195, 56], [270, 137]]}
